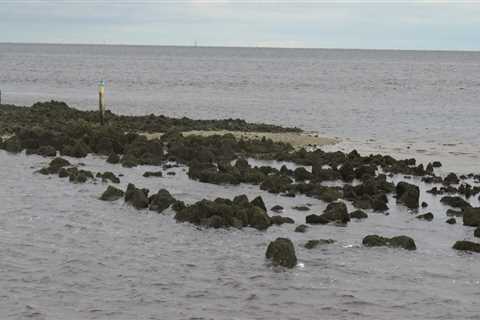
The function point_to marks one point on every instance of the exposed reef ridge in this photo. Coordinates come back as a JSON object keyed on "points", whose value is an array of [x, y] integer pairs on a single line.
{"points": [[364, 181]]}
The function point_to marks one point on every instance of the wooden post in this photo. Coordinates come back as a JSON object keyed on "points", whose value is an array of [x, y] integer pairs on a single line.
{"points": [[101, 102]]}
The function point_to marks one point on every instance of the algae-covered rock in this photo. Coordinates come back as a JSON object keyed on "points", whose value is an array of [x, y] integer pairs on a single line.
{"points": [[467, 246], [408, 194], [471, 217], [138, 198], [426, 216], [358, 214], [112, 194], [395, 242], [311, 244], [282, 253], [161, 200]]}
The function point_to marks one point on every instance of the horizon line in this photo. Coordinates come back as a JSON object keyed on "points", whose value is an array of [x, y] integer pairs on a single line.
{"points": [[233, 46]]}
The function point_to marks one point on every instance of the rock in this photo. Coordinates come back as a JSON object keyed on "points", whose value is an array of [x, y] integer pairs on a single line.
{"points": [[316, 219], [276, 183], [301, 208], [161, 201], [315, 243], [149, 174], [277, 209], [112, 194], [476, 233], [79, 150], [301, 228], [455, 213], [358, 214], [426, 216], [58, 163], [471, 217], [467, 246], [451, 178], [424, 204], [44, 151], [436, 164], [113, 158], [138, 198], [108, 176], [408, 194], [455, 202], [395, 242], [258, 201], [301, 174], [279, 220], [336, 211], [171, 173], [129, 161], [282, 253], [237, 213], [12, 145], [451, 221]]}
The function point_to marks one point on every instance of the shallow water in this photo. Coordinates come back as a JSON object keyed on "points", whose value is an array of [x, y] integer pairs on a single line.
{"points": [[66, 255]]}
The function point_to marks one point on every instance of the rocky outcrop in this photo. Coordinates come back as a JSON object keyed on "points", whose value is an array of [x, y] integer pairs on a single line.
{"points": [[224, 213]]}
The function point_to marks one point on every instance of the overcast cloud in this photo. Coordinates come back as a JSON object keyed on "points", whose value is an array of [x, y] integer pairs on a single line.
{"points": [[341, 24]]}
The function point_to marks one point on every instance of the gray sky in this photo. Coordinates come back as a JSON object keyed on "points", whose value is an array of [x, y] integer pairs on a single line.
{"points": [[341, 24]]}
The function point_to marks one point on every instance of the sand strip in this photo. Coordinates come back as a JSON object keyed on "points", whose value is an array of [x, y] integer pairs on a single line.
{"points": [[296, 139]]}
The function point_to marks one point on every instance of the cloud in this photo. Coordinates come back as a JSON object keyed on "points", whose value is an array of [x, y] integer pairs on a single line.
{"points": [[385, 24]]}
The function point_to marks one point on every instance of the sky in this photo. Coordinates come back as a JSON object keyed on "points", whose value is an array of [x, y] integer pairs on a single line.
{"points": [[410, 24]]}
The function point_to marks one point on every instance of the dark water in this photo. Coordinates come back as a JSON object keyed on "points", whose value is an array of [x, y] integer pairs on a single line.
{"points": [[66, 255]]}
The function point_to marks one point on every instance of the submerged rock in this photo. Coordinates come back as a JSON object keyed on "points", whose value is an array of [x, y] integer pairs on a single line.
{"points": [[301, 228], [277, 209], [279, 220], [358, 214], [455, 202], [395, 242], [315, 243], [426, 216], [112, 194], [451, 221], [282, 253], [108, 176], [301, 208], [149, 174], [467, 246]]}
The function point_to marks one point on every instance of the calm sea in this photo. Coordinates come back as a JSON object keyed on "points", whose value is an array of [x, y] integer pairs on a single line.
{"points": [[66, 255]]}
